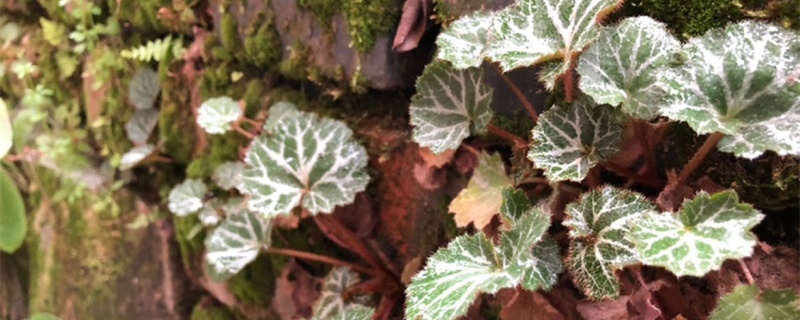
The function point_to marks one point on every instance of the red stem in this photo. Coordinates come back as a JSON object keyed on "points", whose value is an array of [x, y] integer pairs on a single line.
{"points": [[323, 259], [331, 223], [697, 159], [632, 176], [528, 106], [508, 136], [569, 81]]}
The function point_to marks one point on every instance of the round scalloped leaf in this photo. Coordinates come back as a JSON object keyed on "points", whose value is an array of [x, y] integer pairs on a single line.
{"points": [[567, 142], [208, 215], [453, 278], [449, 105], [464, 42], [307, 161], [6, 134], [13, 223], [144, 89], [532, 31], [216, 115], [351, 312], [187, 197], [141, 124], [598, 226], [740, 81], [482, 198], [748, 302], [331, 300], [619, 69], [228, 174], [235, 243], [708, 230], [278, 112], [135, 155]]}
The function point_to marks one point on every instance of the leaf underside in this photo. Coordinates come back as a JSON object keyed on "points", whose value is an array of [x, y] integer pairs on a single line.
{"points": [[567, 142], [307, 161], [216, 115], [748, 302], [599, 224], [450, 104], [135, 155], [235, 243], [619, 69], [482, 198], [144, 88], [708, 230], [740, 81], [141, 124]]}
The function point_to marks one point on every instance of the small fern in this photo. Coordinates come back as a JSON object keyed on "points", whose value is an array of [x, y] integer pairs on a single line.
{"points": [[155, 50]]}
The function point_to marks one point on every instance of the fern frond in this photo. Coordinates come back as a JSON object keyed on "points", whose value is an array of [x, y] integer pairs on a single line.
{"points": [[155, 50]]}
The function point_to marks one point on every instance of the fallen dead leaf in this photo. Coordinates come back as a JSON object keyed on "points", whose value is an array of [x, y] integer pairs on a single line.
{"points": [[604, 310], [529, 305], [295, 292], [413, 24]]}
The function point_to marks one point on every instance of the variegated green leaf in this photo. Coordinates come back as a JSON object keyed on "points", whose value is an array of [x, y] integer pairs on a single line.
{"points": [[534, 263], [351, 312], [187, 197], [332, 301], [740, 81], [136, 155], [141, 124], [228, 175], [449, 105], [453, 278], [235, 243], [482, 198], [748, 302], [278, 112], [208, 215], [515, 204], [144, 88], [532, 31], [216, 115], [708, 230], [599, 224], [233, 205], [464, 42], [567, 142], [308, 161], [619, 69]]}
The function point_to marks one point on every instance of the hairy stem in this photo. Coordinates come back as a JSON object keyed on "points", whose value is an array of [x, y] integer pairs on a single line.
{"points": [[243, 132], [528, 106], [697, 159], [569, 81], [508, 136], [318, 258]]}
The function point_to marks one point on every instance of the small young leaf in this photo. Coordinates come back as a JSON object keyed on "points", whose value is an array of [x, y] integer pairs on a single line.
{"points": [[144, 88], [332, 300], [6, 134], [569, 141], [740, 81], [464, 43], [532, 31], [453, 277], [141, 124], [515, 204], [136, 155], [13, 223], [619, 69], [708, 230], [228, 175], [53, 32], [599, 223], [187, 197], [449, 105], [216, 115], [482, 198], [278, 112], [235, 243], [307, 161], [208, 215], [748, 302], [536, 268]]}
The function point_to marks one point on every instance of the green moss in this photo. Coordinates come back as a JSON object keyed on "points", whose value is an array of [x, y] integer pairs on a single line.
{"points": [[253, 94], [687, 18], [229, 33], [263, 47], [211, 313], [366, 19], [176, 124], [220, 148], [254, 285], [141, 15], [295, 67], [191, 249]]}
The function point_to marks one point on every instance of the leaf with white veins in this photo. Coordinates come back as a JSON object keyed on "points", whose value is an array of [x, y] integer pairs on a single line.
{"points": [[740, 81], [464, 42], [216, 115], [278, 112], [748, 302], [228, 174], [235, 243], [533, 31], [450, 105], [535, 268], [567, 142], [187, 197], [599, 224], [331, 301], [141, 124], [619, 69], [482, 198], [307, 161], [708, 230]]}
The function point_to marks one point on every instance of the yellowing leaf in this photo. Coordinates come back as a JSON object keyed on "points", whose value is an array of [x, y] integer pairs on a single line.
{"points": [[482, 198], [53, 32]]}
